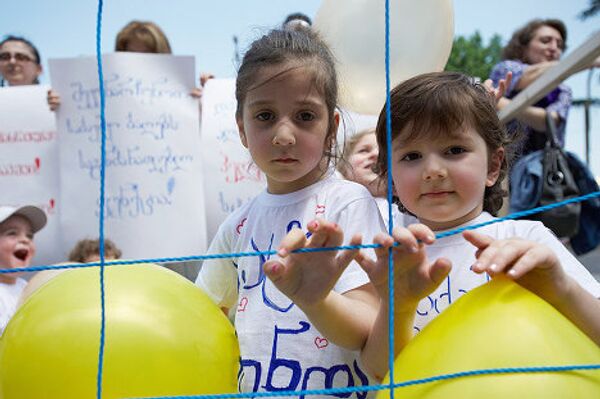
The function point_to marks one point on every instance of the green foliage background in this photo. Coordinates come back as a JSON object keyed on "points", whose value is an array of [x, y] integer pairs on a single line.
{"points": [[472, 56]]}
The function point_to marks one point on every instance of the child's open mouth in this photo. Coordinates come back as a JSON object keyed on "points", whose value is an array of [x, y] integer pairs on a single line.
{"points": [[21, 254]]}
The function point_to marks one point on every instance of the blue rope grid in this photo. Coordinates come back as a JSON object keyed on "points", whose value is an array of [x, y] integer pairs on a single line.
{"points": [[391, 386]]}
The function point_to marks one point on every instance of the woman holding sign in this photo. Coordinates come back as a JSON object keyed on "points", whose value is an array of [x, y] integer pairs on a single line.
{"points": [[139, 37], [19, 62]]}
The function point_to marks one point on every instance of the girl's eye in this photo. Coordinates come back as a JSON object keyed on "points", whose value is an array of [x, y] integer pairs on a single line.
{"points": [[456, 150], [306, 116], [411, 156], [265, 116]]}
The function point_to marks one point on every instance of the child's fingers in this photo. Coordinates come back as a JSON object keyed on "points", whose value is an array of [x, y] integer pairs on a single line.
{"points": [[275, 270], [422, 233], [439, 270], [295, 239], [385, 242], [507, 80], [366, 263], [533, 256], [501, 256], [406, 240], [324, 234], [481, 241]]}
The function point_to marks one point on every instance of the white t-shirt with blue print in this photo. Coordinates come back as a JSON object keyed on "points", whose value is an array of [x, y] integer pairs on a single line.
{"points": [[280, 349]]}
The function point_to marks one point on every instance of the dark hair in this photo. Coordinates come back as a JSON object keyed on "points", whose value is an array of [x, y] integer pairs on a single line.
{"points": [[436, 104], [34, 50], [145, 31], [297, 16], [36, 54], [515, 49], [298, 48], [87, 247]]}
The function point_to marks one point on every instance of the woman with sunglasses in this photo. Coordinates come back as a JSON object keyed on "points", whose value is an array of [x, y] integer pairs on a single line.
{"points": [[19, 62]]}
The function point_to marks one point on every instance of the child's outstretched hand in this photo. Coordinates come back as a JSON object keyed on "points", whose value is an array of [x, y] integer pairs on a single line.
{"points": [[307, 278], [503, 85], [532, 265], [415, 277]]}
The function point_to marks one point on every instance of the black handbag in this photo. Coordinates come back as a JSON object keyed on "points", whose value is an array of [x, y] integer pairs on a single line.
{"points": [[557, 185]]}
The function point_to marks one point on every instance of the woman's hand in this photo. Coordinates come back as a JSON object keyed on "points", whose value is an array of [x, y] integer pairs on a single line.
{"points": [[53, 100]]}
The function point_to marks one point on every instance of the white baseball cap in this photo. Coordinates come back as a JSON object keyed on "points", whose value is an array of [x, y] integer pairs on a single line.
{"points": [[35, 215]]}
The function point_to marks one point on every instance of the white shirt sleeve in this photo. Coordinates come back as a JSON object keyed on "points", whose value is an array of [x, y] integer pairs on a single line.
{"points": [[218, 277], [360, 216], [568, 261]]}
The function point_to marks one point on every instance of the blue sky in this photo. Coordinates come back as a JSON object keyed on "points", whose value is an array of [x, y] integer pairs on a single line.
{"points": [[66, 28]]}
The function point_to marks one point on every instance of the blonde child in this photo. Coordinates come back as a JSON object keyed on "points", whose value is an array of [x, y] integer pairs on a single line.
{"points": [[358, 162], [17, 227], [449, 156], [291, 325]]}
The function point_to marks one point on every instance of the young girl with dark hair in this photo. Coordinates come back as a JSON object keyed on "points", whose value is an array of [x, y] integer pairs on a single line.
{"points": [[300, 328]]}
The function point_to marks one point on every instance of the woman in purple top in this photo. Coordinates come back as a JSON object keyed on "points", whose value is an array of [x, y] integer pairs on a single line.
{"points": [[531, 51]]}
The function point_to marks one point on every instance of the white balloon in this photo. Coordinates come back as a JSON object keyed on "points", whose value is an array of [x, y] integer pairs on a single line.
{"points": [[421, 33]]}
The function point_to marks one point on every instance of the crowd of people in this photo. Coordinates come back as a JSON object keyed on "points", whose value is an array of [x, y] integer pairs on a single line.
{"points": [[450, 155]]}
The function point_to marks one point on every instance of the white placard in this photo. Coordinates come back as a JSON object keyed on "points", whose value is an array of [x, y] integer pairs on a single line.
{"points": [[231, 178], [154, 201], [28, 162]]}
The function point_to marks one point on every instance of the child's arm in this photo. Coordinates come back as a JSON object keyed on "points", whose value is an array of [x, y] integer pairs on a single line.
{"points": [[537, 268], [308, 280], [414, 278]]}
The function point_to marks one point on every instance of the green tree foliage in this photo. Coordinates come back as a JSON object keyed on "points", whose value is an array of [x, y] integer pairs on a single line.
{"points": [[472, 56]]}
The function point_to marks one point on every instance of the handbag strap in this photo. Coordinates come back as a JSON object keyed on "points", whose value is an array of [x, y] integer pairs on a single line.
{"points": [[551, 136]]}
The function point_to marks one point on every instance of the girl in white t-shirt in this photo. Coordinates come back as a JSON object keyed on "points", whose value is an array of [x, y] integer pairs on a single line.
{"points": [[293, 327], [449, 156]]}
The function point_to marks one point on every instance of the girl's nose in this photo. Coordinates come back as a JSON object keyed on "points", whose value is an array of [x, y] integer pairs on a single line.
{"points": [[555, 47], [284, 135], [24, 238], [374, 154], [434, 169]]}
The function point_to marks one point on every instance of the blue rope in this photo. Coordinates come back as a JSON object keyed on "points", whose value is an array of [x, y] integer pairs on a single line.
{"points": [[419, 381], [102, 188], [516, 215], [388, 138]]}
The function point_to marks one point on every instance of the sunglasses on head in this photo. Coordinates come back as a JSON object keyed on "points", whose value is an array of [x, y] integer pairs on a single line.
{"points": [[21, 57]]}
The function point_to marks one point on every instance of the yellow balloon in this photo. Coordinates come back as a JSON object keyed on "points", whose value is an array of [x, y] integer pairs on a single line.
{"points": [[38, 280], [498, 325], [421, 33], [164, 337]]}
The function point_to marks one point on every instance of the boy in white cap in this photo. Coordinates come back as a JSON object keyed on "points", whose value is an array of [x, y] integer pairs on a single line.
{"points": [[17, 227]]}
